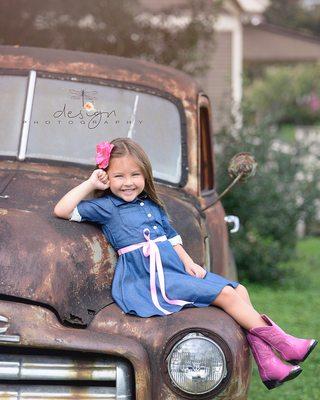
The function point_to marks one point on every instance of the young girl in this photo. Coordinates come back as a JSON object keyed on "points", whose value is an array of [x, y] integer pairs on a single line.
{"points": [[154, 274]]}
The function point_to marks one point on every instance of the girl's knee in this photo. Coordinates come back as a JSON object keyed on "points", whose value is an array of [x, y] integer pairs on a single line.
{"points": [[226, 296], [241, 288]]}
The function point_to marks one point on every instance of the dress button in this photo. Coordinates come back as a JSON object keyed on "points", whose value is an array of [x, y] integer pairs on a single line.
{"points": [[149, 215], [155, 227], [142, 203]]}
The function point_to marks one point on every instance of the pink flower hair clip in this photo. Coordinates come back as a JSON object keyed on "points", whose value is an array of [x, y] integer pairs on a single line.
{"points": [[103, 152]]}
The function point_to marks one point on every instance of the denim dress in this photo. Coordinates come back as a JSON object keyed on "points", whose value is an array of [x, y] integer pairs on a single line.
{"points": [[123, 224]]}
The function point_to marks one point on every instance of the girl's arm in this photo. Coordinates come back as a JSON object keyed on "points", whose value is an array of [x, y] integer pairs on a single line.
{"points": [[191, 267], [65, 206]]}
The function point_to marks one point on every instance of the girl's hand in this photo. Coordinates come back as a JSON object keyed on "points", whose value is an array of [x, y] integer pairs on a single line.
{"points": [[195, 270], [99, 179]]}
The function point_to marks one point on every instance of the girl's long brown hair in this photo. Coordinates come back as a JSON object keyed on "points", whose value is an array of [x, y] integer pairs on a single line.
{"points": [[126, 146]]}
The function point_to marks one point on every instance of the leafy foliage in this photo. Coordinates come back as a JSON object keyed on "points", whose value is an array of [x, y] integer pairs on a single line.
{"points": [[176, 36], [286, 94], [295, 14], [266, 205], [271, 204]]}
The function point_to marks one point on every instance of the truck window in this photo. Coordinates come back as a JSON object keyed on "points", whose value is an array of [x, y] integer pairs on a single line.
{"points": [[206, 153], [69, 118], [13, 93]]}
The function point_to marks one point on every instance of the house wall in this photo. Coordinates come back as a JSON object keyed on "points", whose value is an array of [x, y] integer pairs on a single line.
{"points": [[223, 80], [269, 44], [217, 80]]}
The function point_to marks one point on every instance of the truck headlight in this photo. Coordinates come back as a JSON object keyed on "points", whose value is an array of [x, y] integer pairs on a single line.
{"points": [[196, 364]]}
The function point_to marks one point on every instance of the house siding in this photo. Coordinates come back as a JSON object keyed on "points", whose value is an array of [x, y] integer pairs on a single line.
{"points": [[217, 81], [266, 45]]}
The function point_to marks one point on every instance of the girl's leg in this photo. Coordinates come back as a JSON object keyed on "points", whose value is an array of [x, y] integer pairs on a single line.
{"points": [[272, 370], [243, 293], [291, 348], [238, 308]]}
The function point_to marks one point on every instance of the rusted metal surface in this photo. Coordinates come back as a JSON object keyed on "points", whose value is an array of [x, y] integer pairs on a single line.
{"points": [[40, 329], [143, 341], [155, 333], [217, 232], [94, 65], [68, 266], [218, 239]]}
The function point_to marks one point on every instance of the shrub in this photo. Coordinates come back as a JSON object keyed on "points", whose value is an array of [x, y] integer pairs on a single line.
{"points": [[286, 188], [287, 94], [270, 204]]}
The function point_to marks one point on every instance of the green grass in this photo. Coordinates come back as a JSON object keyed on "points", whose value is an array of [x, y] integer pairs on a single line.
{"points": [[295, 306]]}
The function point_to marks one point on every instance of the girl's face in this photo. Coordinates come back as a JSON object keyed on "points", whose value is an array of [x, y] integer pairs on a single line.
{"points": [[125, 178]]}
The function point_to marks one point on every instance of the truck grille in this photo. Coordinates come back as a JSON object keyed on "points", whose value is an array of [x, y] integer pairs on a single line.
{"points": [[67, 376]]}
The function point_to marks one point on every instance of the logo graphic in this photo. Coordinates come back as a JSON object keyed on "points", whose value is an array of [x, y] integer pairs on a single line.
{"points": [[85, 112], [83, 95]]}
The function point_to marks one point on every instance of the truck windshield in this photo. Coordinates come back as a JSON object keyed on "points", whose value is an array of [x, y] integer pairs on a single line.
{"points": [[69, 118], [13, 93]]}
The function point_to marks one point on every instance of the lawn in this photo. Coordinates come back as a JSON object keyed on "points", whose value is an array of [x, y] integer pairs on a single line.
{"points": [[296, 307]]}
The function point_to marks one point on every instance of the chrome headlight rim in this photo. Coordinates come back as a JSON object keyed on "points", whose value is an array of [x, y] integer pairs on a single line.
{"points": [[204, 338], [219, 341]]}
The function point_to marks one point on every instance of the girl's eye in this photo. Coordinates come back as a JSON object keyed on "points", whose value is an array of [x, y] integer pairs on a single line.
{"points": [[136, 174]]}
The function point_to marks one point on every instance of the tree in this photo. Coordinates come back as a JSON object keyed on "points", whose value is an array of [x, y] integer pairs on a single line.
{"points": [[295, 14], [177, 36]]}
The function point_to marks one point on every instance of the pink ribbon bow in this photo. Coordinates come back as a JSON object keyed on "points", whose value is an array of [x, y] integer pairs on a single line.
{"points": [[103, 152], [150, 249]]}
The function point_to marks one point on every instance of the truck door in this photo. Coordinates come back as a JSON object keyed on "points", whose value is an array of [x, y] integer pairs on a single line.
{"points": [[217, 244]]}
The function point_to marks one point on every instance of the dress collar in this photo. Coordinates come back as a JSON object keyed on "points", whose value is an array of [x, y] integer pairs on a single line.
{"points": [[117, 201]]}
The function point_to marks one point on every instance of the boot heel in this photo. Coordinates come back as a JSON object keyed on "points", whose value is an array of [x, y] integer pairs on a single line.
{"points": [[271, 384], [275, 383], [293, 362]]}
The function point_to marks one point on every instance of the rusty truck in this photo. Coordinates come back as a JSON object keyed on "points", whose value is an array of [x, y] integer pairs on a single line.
{"points": [[61, 334]]}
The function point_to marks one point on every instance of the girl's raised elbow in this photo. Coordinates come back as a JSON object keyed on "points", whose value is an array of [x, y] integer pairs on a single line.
{"points": [[60, 213]]}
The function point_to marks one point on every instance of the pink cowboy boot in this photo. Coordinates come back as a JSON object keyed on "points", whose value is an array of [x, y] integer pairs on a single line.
{"points": [[291, 349], [272, 370]]}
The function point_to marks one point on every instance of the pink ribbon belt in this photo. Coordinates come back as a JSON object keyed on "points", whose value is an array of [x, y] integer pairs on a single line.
{"points": [[150, 249]]}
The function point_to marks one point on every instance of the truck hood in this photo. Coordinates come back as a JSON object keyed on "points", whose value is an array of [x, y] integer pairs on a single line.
{"points": [[65, 266]]}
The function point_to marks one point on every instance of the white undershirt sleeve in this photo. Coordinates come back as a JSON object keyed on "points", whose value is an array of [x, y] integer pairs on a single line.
{"points": [[175, 240], [75, 216]]}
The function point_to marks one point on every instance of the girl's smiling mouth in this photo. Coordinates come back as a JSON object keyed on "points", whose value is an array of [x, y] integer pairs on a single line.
{"points": [[128, 192]]}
